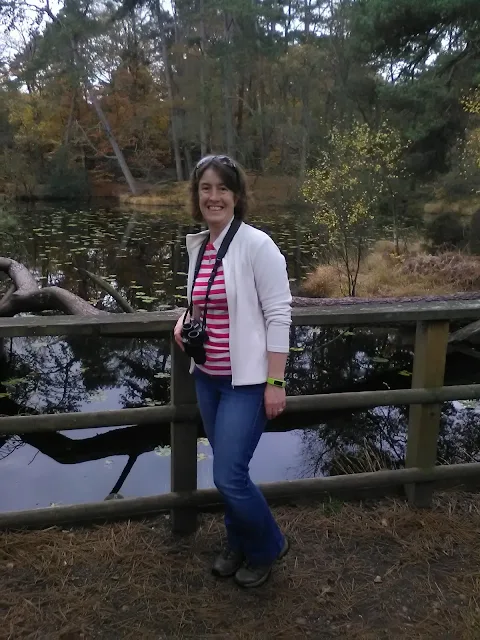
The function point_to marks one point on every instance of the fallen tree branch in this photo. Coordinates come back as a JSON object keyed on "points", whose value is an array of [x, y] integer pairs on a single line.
{"points": [[103, 284], [466, 333], [29, 297], [19, 274], [8, 294], [48, 299]]}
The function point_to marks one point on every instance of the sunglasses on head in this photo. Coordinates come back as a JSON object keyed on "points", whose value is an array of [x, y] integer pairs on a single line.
{"points": [[228, 162]]}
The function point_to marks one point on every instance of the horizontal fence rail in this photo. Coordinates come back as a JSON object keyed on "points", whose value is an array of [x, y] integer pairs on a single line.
{"points": [[150, 505], [432, 320], [16, 425], [142, 324]]}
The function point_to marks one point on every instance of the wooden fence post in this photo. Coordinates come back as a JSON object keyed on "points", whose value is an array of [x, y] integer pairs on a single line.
{"points": [[183, 440], [431, 342]]}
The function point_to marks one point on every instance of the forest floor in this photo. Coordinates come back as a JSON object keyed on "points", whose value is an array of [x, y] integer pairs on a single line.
{"points": [[354, 572]]}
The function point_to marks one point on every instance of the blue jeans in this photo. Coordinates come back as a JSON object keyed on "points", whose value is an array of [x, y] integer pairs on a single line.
{"points": [[234, 419]]}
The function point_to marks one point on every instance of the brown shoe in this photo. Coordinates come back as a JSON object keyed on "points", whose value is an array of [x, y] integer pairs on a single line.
{"points": [[227, 563], [254, 575]]}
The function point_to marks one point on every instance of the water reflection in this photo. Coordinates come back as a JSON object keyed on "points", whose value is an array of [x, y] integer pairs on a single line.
{"points": [[376, 439]]}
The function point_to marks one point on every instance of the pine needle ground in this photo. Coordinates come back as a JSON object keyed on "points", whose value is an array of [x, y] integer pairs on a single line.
{"points": [[354, 571]]}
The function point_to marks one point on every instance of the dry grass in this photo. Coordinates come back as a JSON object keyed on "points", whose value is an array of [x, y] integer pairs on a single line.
{"points": [[171, 194], [273, 190], [461, 206], [384, 274], [354, 572], [327, 281]]}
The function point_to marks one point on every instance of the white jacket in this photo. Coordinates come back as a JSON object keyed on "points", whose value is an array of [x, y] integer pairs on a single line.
{"points": [[258, 296]]}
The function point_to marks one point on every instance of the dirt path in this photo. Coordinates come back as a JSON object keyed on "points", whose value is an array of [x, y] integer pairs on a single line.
{"points": [[354, 572]]}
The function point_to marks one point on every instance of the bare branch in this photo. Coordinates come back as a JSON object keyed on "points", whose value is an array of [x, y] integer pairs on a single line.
{"points": [[123, 304], [29, 297], [8, 294]]}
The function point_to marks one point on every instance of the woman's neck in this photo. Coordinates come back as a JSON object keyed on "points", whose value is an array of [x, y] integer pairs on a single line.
{"points": [[216, 230]]}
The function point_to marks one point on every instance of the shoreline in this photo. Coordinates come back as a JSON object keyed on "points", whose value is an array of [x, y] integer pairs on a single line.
{"points": [[276, 190]]}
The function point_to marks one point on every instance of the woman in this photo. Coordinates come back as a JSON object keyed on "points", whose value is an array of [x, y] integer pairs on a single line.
{"points": [[240, 384]]}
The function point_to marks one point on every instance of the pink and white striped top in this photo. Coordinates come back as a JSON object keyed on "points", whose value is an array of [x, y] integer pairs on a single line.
{"points": [[218, 323]]}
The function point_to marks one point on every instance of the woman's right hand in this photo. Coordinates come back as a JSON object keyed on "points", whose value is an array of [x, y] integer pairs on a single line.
{"points": [[178, 331]]}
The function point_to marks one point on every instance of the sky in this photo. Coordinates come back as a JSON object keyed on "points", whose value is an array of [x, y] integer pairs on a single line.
{"points": [[16, 37]]}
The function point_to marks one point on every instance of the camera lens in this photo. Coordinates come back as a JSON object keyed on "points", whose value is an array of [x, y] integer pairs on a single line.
{"points": [[193, 334], [187, 326]]}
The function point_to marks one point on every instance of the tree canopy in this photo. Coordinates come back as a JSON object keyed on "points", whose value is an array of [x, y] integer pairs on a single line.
{"points": [[267, 82]]}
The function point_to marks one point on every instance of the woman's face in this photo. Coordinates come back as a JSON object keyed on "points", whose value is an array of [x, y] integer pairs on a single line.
{"points": [[217, 202]]}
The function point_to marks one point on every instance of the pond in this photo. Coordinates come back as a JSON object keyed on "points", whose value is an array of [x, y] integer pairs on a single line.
{"points": [[142, 255]]}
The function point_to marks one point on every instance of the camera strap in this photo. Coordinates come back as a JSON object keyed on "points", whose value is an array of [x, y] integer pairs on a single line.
{"points": [[234, 227]]}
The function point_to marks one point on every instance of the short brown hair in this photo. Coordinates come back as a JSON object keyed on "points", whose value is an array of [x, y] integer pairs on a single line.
{"points": [[232, 176]]}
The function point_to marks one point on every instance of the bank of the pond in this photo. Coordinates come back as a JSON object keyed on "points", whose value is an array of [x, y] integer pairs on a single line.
{"points": [[275, 190], [272, 190], [385, 273], [379, 571]]}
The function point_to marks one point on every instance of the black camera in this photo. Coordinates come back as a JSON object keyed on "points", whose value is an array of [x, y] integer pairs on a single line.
{"points": [[194, 337]]}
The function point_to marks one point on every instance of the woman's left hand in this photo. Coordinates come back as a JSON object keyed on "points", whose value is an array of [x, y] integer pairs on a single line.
{"points": [[275, 401]]}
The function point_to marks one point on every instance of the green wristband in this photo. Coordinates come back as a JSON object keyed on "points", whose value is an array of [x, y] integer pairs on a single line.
{"points": [[275, 382]]}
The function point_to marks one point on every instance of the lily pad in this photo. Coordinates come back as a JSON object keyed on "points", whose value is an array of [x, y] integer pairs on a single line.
{"points": [[163, 451]]}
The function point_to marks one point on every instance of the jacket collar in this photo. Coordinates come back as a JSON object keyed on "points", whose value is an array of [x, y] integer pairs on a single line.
{"points": [[194, 240]]}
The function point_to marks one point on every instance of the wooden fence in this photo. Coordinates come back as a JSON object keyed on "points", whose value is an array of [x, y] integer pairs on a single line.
{"points": [[432, 320]]}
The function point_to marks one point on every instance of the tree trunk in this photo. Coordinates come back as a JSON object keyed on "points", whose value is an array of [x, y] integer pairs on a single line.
{"points": [[227, 88], [286, 33], [305, 118], [261, 120], [306, 19], [188, 159], [68, 128], [203, 104], [116, 149], [169, 81], [241, 105], [302, 168]]}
